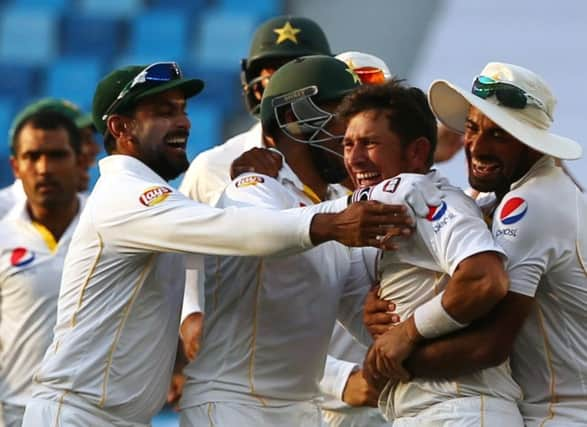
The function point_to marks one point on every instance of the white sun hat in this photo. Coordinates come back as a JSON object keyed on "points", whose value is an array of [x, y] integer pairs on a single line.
{"points": [[497, 86], [366, 63]]}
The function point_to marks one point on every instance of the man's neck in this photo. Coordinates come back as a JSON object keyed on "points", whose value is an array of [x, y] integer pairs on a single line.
{"points": [[56, 219]]}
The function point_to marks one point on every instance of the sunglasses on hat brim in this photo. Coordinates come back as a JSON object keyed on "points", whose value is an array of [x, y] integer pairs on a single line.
{"points": [[507, 94], [158, 72]]}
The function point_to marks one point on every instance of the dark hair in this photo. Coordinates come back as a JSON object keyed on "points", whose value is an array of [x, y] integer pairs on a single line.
{"points": [[49, 120], [409, 115]]}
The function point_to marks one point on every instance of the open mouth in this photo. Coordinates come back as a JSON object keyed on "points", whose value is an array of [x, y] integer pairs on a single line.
{"points": [[365, 179], [177, 142], [483, 169]]}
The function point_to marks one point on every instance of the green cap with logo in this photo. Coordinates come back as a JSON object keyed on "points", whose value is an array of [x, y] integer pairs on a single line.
{"points": [[124, 87], [283, 37], [63, 106], [329, 78]]}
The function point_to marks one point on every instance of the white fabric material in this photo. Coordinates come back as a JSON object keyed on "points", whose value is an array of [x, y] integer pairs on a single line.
{"points": [[417, 272], [304, 414], [450, 104], [466, 412], [11, 196], [269, 320], [30, 275], [123, 283], [209, 172], [541, 225], [11, 415], [205, 181], [67, 413]]}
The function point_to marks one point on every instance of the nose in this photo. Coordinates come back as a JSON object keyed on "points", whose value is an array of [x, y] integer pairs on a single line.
{"points": [[355, 155], [184, 122], [476, 144], [43, 165]]}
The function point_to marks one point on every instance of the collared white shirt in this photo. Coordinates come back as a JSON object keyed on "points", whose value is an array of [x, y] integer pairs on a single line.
{"points": [[542, 225], [11, 196], [269, 320], [418, 271], [31, 263], [123, 280]]}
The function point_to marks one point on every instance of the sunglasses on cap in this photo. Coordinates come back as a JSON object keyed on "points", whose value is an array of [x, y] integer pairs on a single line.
{"points": [[507, 94], [158, 72], [370, 75]]}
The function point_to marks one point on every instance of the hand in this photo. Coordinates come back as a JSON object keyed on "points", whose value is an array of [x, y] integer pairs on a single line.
{"points": [[259, 160], [357, 392], [423, 193], [386, 356], [378, 314], [191, 332], [363, 224], [175, 390]]}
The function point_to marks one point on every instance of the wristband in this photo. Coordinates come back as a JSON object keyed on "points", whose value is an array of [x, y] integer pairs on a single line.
{"points": [[432, 320]]}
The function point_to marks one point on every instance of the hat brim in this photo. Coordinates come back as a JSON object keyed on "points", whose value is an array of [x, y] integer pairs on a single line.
{"points": [[189, 87], [451, 103]]}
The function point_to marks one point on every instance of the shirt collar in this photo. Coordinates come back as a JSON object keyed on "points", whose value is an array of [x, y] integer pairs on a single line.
{"points": [[545, 162], [120, 163]]}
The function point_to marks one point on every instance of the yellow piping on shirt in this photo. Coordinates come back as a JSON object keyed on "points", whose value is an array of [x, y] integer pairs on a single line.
{"points": [[482, 416], [210, 420], [254, 337], [125, 314], [59, 405], [311, 194], [84, 286], [553, 398], [580, 257], [47, 236], [218, 281]]}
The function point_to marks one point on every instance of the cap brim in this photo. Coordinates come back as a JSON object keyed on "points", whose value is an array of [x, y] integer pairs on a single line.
{"points": [[84, 121], [451, 103], [189, 87]]}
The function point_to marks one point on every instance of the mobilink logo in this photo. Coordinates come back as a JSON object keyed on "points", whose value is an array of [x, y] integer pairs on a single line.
{"points": [[513, 210], [154, 195], [21, 257]]}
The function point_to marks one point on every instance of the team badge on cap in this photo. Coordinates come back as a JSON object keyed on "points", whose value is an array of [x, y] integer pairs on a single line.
{"points": [[513, 210], [21, 257], [436, 212], [154, 195]]}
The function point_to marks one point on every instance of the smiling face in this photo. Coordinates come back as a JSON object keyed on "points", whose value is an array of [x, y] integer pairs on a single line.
{"points": [[159, 129], [47, 165], [372, 152], [495, 158]]}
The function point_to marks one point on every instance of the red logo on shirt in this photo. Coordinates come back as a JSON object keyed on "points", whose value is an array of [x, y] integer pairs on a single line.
{"points": [[21, 257], [154, 195]]}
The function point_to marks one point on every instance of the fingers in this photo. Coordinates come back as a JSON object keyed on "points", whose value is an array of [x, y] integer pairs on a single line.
{"points": [[259, 160]]}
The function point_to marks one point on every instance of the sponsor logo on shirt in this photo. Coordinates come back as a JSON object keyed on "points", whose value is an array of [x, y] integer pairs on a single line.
{"points": [[247, 181], [513, 210], [436, 212], [508, 232], [154, 195], [391, 185], [362, 194], [21, 257]]}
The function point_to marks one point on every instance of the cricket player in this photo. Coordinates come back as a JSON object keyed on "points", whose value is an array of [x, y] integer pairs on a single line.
{"points": [[34, 237], [264, 314], [113, 350], [448, 274], [275, 42], [538, 218], [14, 193]]}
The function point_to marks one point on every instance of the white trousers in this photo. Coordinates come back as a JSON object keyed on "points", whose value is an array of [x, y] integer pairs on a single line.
{"points": [[11, 415], [40, 412], [354, 417], [466, 412], [228, 414]]}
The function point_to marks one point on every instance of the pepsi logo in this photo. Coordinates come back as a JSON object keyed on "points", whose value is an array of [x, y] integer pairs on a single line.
{"points": [[154, 195], [436, 212], [513, 210], [21, 257]]}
